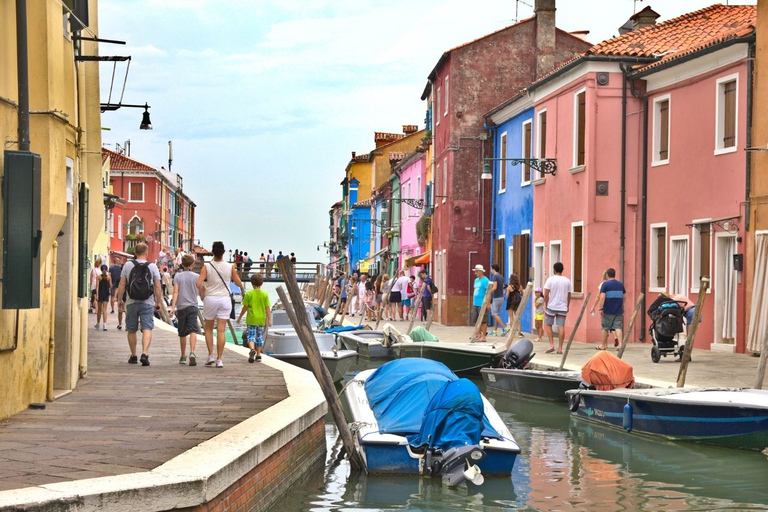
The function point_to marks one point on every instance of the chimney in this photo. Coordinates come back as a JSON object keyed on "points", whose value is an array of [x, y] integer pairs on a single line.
{"points": [[410, 128], [353, 155], [544, 11], [644, 18]]}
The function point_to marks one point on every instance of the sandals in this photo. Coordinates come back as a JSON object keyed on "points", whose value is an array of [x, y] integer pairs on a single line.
{"points": [[549, 350], [600, 348]]}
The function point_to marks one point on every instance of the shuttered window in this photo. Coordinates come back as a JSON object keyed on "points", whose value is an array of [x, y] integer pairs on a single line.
{"points": [[580, 128], [664, 130], [503, 164], [729, 114], [526, 151], [578, 251], [704, 254], [658, 257], [520, 256], [136, 192], [499, 250], [542, 134]]}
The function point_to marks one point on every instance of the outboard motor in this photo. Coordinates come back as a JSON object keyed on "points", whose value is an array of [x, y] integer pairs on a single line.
{"points": [[460, 464], [519, 354]]}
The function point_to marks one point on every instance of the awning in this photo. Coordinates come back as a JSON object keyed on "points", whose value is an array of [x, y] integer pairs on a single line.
{"points": [[364, 265], [422, 258], [378, 253]]}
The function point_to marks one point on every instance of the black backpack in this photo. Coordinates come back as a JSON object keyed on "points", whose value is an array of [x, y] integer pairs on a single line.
{"points": [[140, 285], [432, 287]]}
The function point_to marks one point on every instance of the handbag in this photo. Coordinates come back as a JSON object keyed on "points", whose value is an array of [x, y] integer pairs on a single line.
{"points": [[231, 297]]}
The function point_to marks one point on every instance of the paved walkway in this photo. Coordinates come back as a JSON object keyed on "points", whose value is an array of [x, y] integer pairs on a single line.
{"points": [[126, 418]]}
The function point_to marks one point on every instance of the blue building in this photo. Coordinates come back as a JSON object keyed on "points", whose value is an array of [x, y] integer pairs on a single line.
{"points": [[359, 217], [512, 210]]}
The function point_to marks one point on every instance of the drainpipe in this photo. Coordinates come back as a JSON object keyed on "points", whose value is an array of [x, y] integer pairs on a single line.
{"points": [[469, 295], [623, 222], [22, 64], [51, 344], [750, 77], [644, 203]]}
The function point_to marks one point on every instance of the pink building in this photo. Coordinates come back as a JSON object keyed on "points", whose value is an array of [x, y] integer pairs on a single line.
{"points": [[412, 172], [648, 130]]}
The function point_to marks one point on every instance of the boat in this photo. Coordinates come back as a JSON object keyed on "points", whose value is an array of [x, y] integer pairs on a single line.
{"points": [[730, 417], [414, 416], [464, 359], [284, 344], [368, 343], [516, 377]]}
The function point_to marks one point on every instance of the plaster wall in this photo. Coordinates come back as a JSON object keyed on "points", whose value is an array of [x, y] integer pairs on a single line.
{"points": [[411, 178]]}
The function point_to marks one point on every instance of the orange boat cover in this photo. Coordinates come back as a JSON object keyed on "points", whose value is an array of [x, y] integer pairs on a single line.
{"points": [[606, 371]]}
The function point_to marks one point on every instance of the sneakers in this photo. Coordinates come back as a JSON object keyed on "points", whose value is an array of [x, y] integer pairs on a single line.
{"points": [[119, 327], [258, 358], [504, 331], [211, 360], [492, 333], [104, 327], [97, 326], [144, 360], [252, 355], [192, 359], [133, 360], [182, 360], [219, 363]]}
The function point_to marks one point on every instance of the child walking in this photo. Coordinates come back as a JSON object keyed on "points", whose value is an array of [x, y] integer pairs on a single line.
{"points": [[184, 306], [538, 316], [256, 304]]}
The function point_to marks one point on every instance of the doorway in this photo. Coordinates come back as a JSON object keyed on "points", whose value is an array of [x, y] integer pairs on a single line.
{"points": [[725, 283]]}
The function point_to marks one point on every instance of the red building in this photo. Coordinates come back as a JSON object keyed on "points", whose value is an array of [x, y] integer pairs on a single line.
{"points": [[467, 82], [152, 207]]}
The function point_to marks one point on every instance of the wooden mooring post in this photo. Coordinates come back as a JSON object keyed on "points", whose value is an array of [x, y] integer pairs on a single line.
{"points": [[415, 307], [307, 338], [628, 330], [515, 325], [692, 333], [573, 331], [482, 314], [761, 365]]}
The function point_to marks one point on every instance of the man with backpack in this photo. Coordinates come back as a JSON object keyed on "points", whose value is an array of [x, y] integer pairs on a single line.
{"points": [[141, 282], [429, 291]]}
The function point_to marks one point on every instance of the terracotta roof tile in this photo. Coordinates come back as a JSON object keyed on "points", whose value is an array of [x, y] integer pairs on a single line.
{"points": [[122, 162], [681, 35]]}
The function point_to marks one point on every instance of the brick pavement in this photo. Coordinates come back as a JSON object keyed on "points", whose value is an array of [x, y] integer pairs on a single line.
{"points": [[127, 418]]}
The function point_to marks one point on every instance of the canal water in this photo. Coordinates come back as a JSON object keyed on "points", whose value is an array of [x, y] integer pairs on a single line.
{"points": [[566, 464]]}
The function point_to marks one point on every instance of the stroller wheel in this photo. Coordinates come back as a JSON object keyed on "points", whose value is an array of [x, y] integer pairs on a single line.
{"points": [[655, 354]]}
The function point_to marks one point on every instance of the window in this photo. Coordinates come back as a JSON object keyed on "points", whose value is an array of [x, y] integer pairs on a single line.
{"points": [[136, 192], [660, 131], [541, 132], [437, 111], [579, 127], [520, 256], [503, 166], [577, 256], [120, 227], [499, 250], [70, 164], [538, 265], [726, 115], [526, 177], [678, 265], [658, 258], [438, 176], [555, 251], [445, 85], [701, 258], [445, 178]]}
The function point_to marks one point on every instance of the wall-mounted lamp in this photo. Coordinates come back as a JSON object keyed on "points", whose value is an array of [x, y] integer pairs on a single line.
{"points": [[146, 124], [542, 165]]}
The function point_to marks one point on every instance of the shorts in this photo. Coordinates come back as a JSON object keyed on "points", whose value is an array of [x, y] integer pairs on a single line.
{"points": [[406, 302], [539, 317], [343, 300], [385, 298], [496, 303], [255, 334], [394, 297], [217, 306], [113, 291], [187, 320], [476, 312], [140, 311], [551, 317], [612, 322]]}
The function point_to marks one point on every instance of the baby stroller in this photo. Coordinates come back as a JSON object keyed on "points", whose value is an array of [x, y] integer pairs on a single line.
{"points": [[666, 325]]}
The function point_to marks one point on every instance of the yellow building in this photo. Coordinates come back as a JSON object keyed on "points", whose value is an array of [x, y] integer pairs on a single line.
{"points": [[44, 347]]}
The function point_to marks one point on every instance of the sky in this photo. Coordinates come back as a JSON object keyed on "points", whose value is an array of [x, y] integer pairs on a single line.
{"points": [[265, 100]]}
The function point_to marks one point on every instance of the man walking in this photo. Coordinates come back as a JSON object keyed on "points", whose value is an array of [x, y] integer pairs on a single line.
{"points": [[557, 298], [481, 284], [426, 299], [497, 301], [611, 306], [143, 287]]}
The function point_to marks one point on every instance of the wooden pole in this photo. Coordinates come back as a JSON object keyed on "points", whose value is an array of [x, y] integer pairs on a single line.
{"points": [[307, 338], [692, 333], [761, 365], [232, 330], [378, 314], [628, 331], [515, 326], [573, 331], [416, 306], [483, 309], [430, 315]]}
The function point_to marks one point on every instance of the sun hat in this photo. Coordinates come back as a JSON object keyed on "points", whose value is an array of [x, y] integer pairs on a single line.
{"points": [[478, 267], [538, 290]]}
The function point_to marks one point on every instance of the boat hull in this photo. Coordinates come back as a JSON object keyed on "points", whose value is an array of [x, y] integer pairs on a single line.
{"points": [[284, 344], [463, 359], [539, 384], [367, 344], [338, 364], [730, 418]]}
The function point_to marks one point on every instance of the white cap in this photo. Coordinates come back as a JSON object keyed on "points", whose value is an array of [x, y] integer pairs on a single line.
{"points": [[478, 267]]}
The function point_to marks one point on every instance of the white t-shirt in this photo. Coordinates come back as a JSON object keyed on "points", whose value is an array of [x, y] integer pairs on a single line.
{"points": [[400, 285], [559, 287]]}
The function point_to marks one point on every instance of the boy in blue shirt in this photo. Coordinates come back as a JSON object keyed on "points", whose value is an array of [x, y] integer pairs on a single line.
{"points": [[256, 304]]}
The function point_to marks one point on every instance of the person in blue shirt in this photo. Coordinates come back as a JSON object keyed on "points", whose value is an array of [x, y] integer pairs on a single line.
{"points": [[611, 306], [480, 286], [426, 299]]}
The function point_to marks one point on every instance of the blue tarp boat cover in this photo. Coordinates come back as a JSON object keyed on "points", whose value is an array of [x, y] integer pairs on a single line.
{"points": [[423, 400], [343, 328]]}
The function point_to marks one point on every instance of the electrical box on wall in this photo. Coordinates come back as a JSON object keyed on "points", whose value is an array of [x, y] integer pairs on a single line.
{"points": [[738, 262], [21, 230]]}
